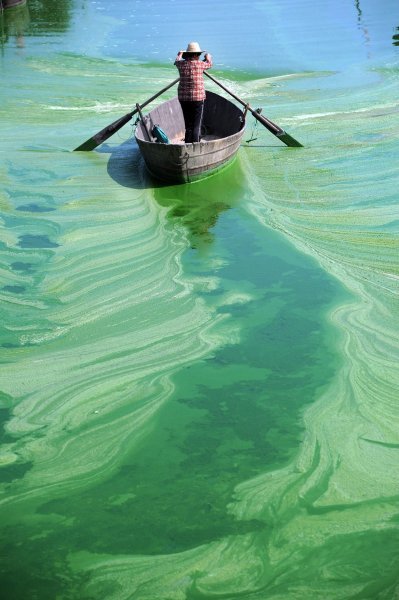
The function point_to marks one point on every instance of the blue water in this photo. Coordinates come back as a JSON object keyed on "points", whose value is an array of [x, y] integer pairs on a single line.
{"points": [[265, 37]]}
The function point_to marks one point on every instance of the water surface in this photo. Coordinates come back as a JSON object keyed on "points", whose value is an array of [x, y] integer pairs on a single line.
{"points": [[199, 383]]}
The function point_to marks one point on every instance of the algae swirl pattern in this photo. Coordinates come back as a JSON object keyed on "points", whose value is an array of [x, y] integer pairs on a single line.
{"points": [[158, 344]]}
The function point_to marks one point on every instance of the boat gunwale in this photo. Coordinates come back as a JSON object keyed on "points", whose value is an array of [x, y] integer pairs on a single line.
{"points": [[194, 144], [174, 100]]}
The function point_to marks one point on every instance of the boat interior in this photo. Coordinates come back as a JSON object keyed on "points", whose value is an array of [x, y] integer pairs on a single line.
{"points": [[221, 119]]}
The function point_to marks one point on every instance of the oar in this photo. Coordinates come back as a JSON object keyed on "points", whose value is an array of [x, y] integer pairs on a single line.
{"points": [[105, 133], [275, 129]]}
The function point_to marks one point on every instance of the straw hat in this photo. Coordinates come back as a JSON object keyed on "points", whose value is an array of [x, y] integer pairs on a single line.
{"points": [[193, 47]]}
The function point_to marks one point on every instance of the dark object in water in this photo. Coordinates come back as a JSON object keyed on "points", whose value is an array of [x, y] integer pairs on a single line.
{"points": [[11, 3], [178, 162]]}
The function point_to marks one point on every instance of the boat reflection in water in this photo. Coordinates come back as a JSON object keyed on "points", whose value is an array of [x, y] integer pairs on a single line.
{"points": [[198, 207]]}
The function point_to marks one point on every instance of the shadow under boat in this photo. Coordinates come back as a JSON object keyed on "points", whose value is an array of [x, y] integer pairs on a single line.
{"points": [[127, 167]]}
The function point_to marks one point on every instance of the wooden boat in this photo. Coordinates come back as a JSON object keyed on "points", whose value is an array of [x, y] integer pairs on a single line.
{"points": [[177, 162]]}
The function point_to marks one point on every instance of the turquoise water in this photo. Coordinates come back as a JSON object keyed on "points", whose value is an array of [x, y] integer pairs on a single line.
{"points": [[199, 383]]}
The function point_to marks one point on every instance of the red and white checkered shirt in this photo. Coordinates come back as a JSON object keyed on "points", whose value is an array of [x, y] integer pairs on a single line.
{"points": [[191, 85]]}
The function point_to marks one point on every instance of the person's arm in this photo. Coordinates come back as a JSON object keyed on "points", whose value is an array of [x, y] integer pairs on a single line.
{"points": [[179, 56], [207, 61]]}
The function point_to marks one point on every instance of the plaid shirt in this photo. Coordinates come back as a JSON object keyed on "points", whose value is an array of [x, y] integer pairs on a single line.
{"points": [[191, 85]]}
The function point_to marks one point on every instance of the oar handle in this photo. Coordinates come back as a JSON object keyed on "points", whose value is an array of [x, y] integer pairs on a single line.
{"points": [[157, 94], [138, 107], [266, 122], [272, 127], [123, 120]]}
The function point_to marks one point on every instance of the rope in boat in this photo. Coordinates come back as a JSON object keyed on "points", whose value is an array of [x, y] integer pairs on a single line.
{"points": [[131, 134], [254, 129]]}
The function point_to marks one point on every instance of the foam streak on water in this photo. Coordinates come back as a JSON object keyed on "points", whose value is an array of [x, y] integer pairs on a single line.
{"points": [[340, 492], [100, 285]]}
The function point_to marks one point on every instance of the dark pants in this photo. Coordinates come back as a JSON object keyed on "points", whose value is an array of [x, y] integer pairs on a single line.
{"points": [[192, 112]]}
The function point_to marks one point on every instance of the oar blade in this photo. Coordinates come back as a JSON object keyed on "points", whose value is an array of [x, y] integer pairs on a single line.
{"points": [[87, 145], [276, 130], [272, 127], [289, 140], [105, 133]]}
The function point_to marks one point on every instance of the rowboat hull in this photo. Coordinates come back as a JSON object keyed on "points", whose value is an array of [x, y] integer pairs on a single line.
{"points": [[177, 162]]}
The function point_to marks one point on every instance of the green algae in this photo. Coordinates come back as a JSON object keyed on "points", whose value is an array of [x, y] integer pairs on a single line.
{"points": [[199, 381], [237, 403], [226, 417]]}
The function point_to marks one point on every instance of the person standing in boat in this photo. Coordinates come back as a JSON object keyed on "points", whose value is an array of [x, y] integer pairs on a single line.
{"points": [[191, 91]]}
